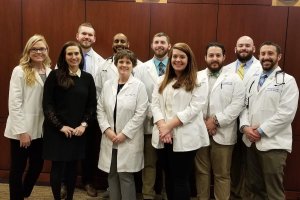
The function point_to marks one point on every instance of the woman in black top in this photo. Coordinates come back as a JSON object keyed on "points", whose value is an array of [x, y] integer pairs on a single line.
{"points": [[69, 103]]}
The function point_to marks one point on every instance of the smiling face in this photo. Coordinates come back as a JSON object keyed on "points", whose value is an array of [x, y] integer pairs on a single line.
{"points": [[160, 46], [214, 58], [73, 56], [38, 52], [269, 57], [120, 42], [244, 49], [124, 66], [86, 37], [179, 61]]}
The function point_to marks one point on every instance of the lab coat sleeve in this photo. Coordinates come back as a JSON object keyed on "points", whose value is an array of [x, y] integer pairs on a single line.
{"points": [[232, 111], [138, 118], [98, 82], [102, 112], [195, 106], [16, 100], [155, 105], [286, 109]]}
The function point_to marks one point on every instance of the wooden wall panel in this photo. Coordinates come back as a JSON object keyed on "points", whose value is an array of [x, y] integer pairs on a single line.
{"points": [[55, 19], [259, 22], [10, 46], [110, 18], [291, 66], [193, 24], [248, 2]]}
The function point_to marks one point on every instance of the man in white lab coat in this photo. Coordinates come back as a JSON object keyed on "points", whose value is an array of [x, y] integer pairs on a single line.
{"points": [[272, 100], [108, 70], [149, 73], [225, 101], [246, 66]]}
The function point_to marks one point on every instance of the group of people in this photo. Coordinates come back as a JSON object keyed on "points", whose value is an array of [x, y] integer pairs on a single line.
{"points": [[232, 123]]}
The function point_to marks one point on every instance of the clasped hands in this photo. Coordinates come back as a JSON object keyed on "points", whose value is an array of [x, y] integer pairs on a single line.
{"points": [[211, 126], [69, 132], [115, 138], [251, 133], [165, 132]]}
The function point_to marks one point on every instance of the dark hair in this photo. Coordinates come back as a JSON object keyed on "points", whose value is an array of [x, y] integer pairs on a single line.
{"points": [[215, 44], [270, 43], [162, 34], [125, 53], [63, 77], [188, 77]]}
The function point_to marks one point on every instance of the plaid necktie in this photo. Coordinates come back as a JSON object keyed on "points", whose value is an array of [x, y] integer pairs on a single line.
{"points": [[161, 69], [241, 70]]}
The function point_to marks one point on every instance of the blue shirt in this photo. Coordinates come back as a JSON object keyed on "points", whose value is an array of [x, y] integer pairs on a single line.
{"points": [[246, 66], [156, 63]]}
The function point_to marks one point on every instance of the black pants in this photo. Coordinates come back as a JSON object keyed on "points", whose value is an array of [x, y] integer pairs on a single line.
{"points": [[19, 188], [89, 164], [178, 168], [69, 170]]}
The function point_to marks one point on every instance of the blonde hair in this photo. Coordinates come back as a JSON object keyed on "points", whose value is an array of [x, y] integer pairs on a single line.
{"points": [[25, 61]]}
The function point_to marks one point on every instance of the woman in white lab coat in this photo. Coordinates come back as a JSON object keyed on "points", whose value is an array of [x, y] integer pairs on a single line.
{"points": [[25, 119], [179, 126], [121, 112]]}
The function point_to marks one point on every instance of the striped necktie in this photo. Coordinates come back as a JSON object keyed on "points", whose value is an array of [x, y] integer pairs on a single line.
{"points": [[241, 70]]}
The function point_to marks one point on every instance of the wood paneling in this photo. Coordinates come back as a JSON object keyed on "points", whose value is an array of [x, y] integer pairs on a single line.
{"points": [[259, 22], [248, 2], [55, 19], [292, 60], [10, 49], [109, 18], [193, 24]]}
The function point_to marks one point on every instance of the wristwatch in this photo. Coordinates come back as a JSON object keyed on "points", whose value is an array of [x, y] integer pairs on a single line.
{"points": [[84, 124]]}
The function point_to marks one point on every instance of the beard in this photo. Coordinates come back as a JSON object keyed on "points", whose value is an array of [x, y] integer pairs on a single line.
{"points": [[244, 59], [216, 68], [160, 53], [266, 66]]}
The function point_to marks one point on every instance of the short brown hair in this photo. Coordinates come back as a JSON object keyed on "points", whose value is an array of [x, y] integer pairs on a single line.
{"points": [[125, 53], [162, 34]]}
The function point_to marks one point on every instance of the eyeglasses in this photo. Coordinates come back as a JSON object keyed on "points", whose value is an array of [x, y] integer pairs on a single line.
{"points": [[37, 50]]}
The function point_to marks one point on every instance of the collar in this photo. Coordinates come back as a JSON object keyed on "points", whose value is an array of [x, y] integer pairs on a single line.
{"points": [[164, 61], [247, 64], [78, 73], [214, 74]]}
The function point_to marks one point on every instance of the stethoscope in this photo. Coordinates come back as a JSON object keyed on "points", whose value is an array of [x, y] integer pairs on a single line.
{"points": [[277, 83]]}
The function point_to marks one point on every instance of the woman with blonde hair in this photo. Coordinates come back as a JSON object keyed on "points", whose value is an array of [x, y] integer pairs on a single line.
{"points": [[25, 119], [179, 128]]}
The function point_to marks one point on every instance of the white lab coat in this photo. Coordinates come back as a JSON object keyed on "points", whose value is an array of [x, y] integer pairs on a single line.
{"points": [[25, 106], [132, 103], [273, 109], [97, 62], [147, 73], [227, 100], [254, 70], [188, 107], [107, 71]]}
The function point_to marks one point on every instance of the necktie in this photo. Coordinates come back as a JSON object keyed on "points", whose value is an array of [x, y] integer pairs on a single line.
{"points": [[214, 74], [84, 66], [262, 79], [241, 70], [161, 69]]}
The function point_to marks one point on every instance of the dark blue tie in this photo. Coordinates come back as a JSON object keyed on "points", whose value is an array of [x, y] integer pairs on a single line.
{"points": [[161, 69]]}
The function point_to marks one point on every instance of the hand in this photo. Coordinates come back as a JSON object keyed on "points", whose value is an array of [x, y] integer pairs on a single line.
{"points": [[120, 138], [163, 128], [110, 134], [211, 126], [78, 131], [251, 133], [25, 140], [167, 138], [68, 131]]}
